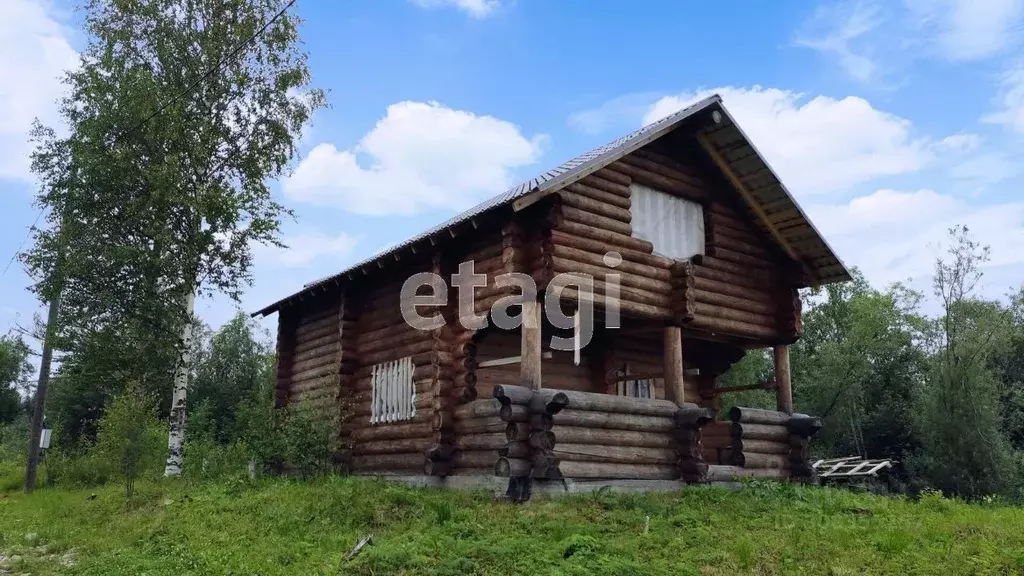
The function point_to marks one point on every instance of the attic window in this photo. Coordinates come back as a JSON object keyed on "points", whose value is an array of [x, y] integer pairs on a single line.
{"points": [[394, 394], [674, 225]]}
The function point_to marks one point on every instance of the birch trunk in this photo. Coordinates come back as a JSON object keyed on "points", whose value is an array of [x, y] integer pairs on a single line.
{"points": [[176, 438]]}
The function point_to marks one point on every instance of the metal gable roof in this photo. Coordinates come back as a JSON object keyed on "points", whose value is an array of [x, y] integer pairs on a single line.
{"points": [[571, 171]]}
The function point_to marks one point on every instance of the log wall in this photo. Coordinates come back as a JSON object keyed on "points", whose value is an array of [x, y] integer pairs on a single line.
{"points": [[739, 288]]}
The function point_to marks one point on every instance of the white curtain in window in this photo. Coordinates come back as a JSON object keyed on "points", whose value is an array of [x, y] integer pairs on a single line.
{"points": [[674, 225]]}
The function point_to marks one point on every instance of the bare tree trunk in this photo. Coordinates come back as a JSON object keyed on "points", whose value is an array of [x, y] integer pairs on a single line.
{"points": [[176, 438], [40, 400]]}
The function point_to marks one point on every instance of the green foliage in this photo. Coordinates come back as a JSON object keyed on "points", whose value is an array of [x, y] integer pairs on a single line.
{"points": [[14, 439], [861, 366], [283, 526], [15, 371], [232, 365], [130, 438]]}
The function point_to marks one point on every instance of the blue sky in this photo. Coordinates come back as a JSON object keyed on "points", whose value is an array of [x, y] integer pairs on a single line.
{"points": [[889, 121]]}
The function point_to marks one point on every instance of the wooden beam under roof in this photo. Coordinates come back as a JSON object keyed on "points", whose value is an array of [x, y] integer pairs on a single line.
{"points": [[755, 206]]}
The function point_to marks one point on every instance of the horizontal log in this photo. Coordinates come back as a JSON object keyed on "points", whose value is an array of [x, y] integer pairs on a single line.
{"points": [[595, 220], [478, 409], [585, 188], [412, 349], [756, 460], [412, 461], [512, 467], [641, 175], [764, 276], [615, 240], [394, 446], [733, 327], [391, 431], [607, 470], [475, 459], [330, 350], [613, 453], [761, 446], [486, 441], [759, 432], [724, 313], [580, 435], [671, 167], [754, 295], [612, 176], [726, 301], [751, 282], [597, 259], [753, 250], [609, 403], [330, 339], [512, 395], [479, 425], [324, 370], [738, 257], [329, 321], [601, 247], [731, 473], [632, 288], [614, 421], [597, 207], [758, 416]]}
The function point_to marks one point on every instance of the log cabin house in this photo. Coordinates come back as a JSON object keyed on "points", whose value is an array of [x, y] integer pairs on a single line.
{"points": [[711, 250]]}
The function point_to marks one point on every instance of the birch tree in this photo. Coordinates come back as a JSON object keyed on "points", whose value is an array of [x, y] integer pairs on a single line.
{"points": [[179, 113]]}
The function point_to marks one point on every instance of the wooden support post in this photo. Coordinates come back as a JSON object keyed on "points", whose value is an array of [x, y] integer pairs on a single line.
{"points": [[675, 387], [529, 367], [784, 392]]}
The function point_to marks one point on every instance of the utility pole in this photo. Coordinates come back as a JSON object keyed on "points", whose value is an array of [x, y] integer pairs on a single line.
{"points": [[40, 400]]}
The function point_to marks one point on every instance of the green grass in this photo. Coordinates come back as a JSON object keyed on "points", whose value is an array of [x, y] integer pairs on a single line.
{"points": [[281, 526]]}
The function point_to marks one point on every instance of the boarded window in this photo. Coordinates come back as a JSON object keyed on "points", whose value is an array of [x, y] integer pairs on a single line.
{"points": [[674, 225], [639, 388], [394, 395]]}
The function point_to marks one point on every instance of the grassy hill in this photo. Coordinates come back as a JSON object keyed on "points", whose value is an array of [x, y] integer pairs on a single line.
{"points": [[281, 526]]}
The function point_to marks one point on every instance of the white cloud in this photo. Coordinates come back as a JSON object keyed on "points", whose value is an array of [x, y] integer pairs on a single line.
{"points": [[838, 30], [34, 52], [966, 30], [610, 114], [892, 235], [303, 248], [1011, 101], [419, 156], [819, 145], [475, 8]]}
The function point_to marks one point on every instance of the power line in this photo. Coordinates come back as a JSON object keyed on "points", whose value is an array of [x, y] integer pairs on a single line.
{"points": [[22, 246], [231, 55]]}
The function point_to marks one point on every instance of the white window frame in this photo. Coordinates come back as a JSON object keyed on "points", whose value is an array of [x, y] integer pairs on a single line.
{"points": [[393, 391]]}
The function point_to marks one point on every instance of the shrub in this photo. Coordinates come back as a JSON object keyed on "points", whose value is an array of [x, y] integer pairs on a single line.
{"points": [[130, 438]]}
